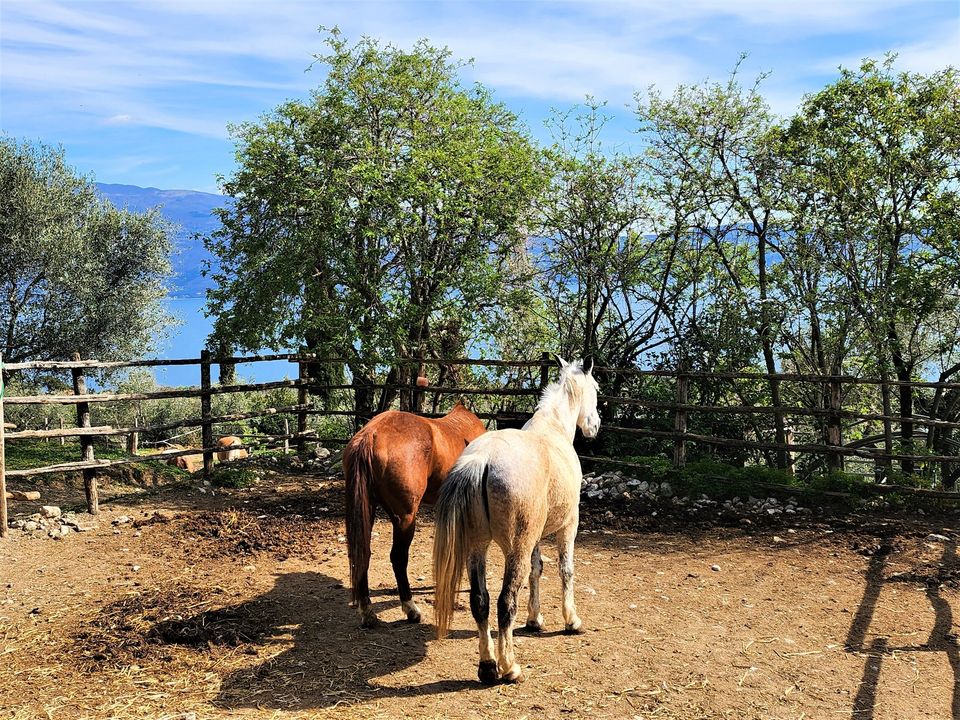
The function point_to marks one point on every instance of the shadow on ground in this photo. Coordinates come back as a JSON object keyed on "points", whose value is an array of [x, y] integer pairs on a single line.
{"points": [[326, 658], [940, 639]]}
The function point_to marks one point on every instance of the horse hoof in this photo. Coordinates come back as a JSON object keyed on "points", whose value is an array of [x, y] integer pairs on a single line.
{"points": [[412, 611], [513, 675], [488, 672], [369, 621], [574, 628], [534, 626]]}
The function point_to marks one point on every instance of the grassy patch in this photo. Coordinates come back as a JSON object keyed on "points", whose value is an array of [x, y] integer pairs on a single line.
{"points": [[231, 477], [26, 454]]}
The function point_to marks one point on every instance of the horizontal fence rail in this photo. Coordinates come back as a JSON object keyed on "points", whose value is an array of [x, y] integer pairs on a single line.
{"points": [[671, 418]]}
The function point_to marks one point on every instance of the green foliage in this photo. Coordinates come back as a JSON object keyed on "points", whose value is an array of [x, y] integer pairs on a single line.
{"points": [[233, 477], [872, 165], [600, 275], [76, 273], [374, 220]]}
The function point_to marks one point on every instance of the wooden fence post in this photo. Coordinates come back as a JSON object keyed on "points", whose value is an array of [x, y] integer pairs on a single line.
{"points": [[545, 364], [63, 440], [789, 456], [86, 442], [286, 439], [303, 397], [206, 432], [834, 439], [3, 461], [680, 421], [133, 443]]}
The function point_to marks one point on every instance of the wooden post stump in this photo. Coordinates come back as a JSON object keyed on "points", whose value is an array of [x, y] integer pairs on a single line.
{"points": [[3, 460], [206, 427], [680, 421], [834, 439], [303, 397], [86, 442]]}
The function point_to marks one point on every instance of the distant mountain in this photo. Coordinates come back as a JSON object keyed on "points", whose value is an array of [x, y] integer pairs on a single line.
{"points": [[191, 212]]}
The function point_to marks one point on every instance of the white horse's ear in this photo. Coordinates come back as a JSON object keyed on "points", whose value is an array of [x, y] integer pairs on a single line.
{"points": [[563, 363], [587, 364]]}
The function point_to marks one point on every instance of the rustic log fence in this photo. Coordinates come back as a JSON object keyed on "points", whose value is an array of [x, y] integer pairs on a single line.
{"points": [[516, 402]]}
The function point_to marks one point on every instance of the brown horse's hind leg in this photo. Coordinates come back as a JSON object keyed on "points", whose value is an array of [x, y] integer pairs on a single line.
{"points": [[534, 618], [361, 590], [403, 531]]}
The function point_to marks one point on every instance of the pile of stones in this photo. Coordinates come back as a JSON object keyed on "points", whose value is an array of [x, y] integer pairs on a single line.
{"points": [[320, 459], [614, 486], [52, 522]]}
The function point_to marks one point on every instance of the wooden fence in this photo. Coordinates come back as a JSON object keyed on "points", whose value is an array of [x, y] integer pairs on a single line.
{"points": [[509, 397]]}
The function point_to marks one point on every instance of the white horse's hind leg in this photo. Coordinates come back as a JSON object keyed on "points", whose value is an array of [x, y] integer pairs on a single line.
{"points": [[534, 618], [515, 568], [480, 607], [565, 539]]}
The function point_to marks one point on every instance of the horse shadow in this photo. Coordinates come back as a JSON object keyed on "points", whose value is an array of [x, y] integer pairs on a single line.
{"points": [[326, 658], [940, 639]]}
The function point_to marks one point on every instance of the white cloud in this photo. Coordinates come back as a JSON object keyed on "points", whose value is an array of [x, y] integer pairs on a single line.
{"points": [[927, 56], [159, 63]]}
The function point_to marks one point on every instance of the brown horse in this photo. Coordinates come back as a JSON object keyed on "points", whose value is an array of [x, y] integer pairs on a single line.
{"points": [[398, 460]]}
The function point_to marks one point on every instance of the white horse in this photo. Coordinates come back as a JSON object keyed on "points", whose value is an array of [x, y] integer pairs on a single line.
{"points": [[515, 487]]}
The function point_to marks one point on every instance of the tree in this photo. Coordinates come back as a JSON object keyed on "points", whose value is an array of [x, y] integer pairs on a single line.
{"points": [[877, 155], [373, 214], [715, 177], [76, 273], [602, 277]]}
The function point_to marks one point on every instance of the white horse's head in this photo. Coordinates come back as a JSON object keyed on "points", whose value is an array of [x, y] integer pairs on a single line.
{"points": [[578, 377]]}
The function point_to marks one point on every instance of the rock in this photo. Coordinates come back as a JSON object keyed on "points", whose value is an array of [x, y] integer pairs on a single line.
{"points": [[135, 568], [588, 590], [321, 452], [715, 568], [935, 537], [30, 526], [50, 511], [778, 539], [666, 490]]}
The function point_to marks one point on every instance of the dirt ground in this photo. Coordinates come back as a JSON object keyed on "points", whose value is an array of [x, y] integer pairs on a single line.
{"points": [[236, 606]]}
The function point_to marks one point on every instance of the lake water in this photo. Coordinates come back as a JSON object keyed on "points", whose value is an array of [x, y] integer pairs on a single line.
{"points": [[187, 339]]}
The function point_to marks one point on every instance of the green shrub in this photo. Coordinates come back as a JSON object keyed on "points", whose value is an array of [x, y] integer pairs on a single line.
{"points": [[233, 477]]}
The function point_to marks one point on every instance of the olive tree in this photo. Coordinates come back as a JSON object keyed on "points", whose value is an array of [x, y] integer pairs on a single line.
{"points": [[76, 273]]}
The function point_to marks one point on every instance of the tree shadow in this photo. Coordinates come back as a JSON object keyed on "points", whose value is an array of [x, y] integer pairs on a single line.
{"points": [[941, 638], [326, 660]]}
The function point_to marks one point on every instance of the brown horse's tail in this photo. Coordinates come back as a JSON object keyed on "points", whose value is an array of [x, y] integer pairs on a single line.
{"points": [[461, 516], [358, 471]]}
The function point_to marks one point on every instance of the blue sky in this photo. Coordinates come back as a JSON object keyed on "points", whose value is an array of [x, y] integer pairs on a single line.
{"points": [[142, 92]]}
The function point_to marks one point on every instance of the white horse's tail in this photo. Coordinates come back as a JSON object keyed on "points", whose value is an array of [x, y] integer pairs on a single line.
{"points": [[461, 513]]}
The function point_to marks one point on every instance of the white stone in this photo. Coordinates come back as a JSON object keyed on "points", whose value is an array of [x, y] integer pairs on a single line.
{"points": [[50, 511]]}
